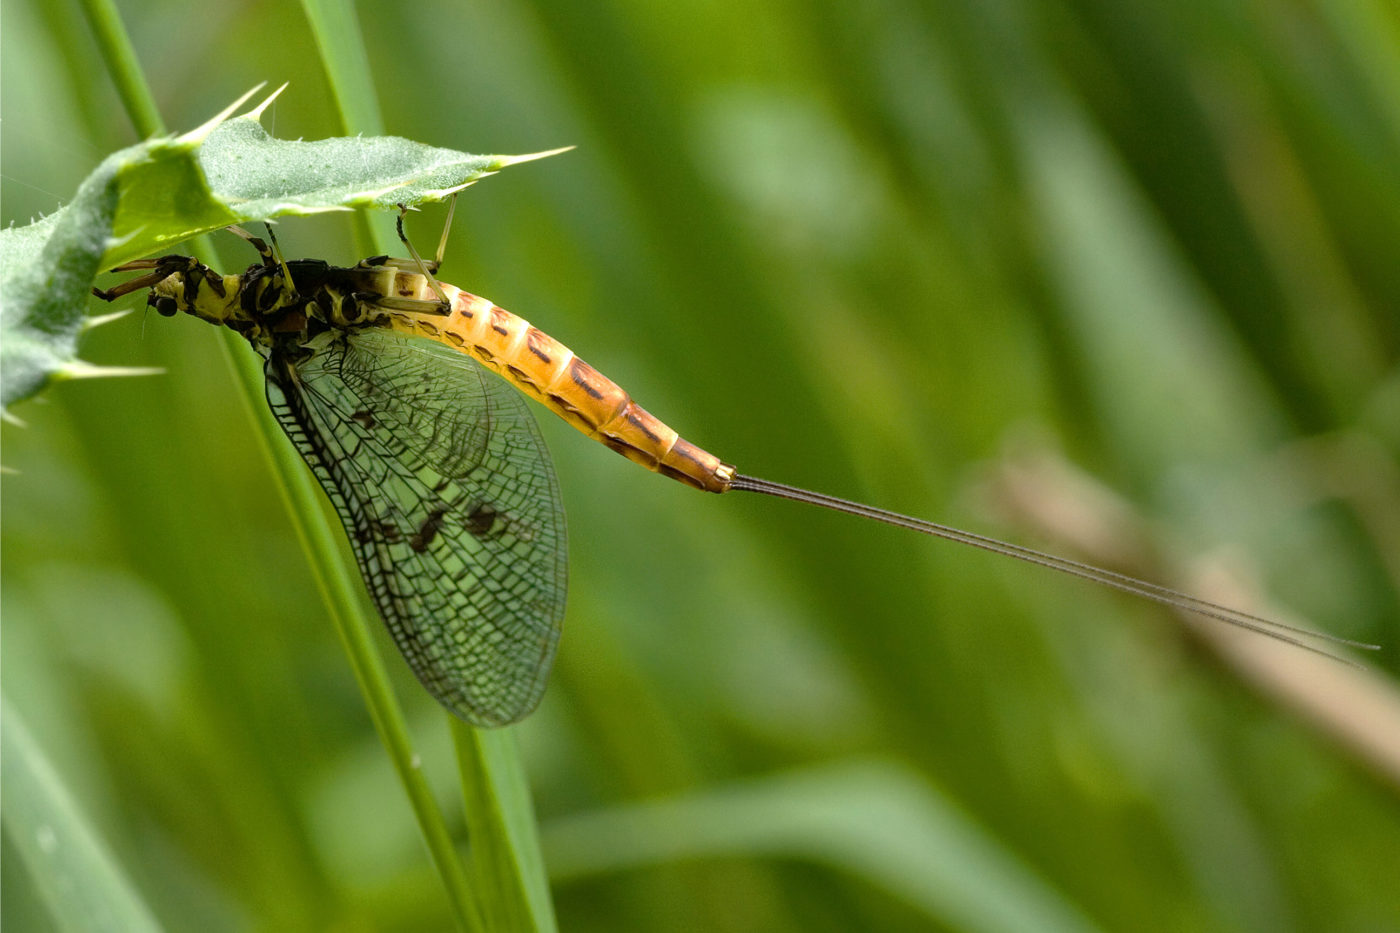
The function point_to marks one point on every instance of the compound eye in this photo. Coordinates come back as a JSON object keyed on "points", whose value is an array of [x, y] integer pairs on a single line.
{"points": [[164, 305]]}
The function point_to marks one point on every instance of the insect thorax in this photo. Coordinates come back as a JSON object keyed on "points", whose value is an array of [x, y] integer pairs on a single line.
{"points": [[264, 307]]}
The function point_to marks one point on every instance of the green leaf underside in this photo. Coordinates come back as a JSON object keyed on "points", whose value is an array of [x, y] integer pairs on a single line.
{"points": [[267, 176], [150, 197]]}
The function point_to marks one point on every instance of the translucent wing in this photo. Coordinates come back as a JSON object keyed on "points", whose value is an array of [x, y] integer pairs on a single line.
{"points": [[442, 481]]}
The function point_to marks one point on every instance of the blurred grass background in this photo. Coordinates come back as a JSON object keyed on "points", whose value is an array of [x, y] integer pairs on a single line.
{"points": [[907, 253]]}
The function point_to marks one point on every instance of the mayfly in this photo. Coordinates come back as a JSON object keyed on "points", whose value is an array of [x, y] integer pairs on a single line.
{"points": [[378, 374]]}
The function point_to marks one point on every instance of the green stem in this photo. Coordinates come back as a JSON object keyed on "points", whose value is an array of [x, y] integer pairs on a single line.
{"points": [[319, 539], [506, 858], [340, 589], [508, 870], [123, 66]]}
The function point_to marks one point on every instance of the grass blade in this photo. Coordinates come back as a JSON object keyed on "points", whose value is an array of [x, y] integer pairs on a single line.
{"points": [[76, 875]]}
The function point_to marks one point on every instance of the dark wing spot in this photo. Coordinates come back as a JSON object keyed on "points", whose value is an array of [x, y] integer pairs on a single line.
{"points": [[365, 418], [427, 531], [481, 520]]}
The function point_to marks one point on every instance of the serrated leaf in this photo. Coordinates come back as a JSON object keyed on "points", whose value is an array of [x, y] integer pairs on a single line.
{"points": [[46, 270], [150, 197]]}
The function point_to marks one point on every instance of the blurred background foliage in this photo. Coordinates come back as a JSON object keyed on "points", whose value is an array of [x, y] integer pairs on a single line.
{"points": [[950, 258]]}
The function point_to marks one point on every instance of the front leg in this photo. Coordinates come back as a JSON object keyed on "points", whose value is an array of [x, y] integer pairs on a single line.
{"points": [[412, 305]]}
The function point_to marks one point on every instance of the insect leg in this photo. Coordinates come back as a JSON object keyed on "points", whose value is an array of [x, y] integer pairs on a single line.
{"points": [[393, 303], [281, 260], [443, 304], [162, 267], [446, 229], [269, 257], [131, 285]]}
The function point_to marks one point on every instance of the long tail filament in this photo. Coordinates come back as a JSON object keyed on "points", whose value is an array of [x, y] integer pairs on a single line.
{"points": [[1160, 594]]}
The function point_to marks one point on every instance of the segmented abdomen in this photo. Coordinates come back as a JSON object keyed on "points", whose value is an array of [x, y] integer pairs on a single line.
{"points": [[549, 372]]}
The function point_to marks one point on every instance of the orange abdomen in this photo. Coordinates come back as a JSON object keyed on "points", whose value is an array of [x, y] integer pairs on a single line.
{"points": [[549, 372]]}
